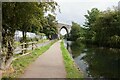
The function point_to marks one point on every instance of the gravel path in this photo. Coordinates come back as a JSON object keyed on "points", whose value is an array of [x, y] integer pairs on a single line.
{"points": [[49, 65]]}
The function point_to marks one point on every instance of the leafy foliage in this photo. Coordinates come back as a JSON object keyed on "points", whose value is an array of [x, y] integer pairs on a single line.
{"points": [[76, 31], [51, 26], [103, 27], [21, 16]]}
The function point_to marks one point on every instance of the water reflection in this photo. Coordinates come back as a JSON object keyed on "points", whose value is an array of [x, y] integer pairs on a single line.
{"points": [[94, 61]]}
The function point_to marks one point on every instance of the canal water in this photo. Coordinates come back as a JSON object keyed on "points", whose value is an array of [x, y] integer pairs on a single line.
{"points": [[97, 62]]}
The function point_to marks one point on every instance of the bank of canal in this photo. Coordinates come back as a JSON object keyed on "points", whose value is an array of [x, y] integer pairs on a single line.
{"points": [[95, 61]]}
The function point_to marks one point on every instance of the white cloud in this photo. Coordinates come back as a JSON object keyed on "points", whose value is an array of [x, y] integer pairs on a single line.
{"points": [[74, 10]]}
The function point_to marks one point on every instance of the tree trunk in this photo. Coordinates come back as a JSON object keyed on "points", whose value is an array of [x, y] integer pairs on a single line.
{"points": [[24, 39], [24, 36], [9, 55], [7, 49], [4, 49]]}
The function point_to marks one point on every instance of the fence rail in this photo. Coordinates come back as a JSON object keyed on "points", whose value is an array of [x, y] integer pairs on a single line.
{"points": [[25, 46], [30, 46], [24, 51]]}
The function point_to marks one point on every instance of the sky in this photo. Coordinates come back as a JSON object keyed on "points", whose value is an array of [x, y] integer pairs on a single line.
{"points": [[74, 10]]}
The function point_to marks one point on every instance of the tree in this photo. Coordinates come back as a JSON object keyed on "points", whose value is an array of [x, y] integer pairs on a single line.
{"points": [[91, 17], [20, 16], [90, 23], [75, 31], [107, 28], [51, 27], [35, 20], [103, 27], [29, 16], [8, 30]]}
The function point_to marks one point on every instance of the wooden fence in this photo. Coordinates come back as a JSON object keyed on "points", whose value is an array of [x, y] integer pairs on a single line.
{"points": [[23, 49]]}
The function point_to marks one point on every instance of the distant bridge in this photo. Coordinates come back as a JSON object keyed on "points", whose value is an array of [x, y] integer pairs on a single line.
{"points": [[65, 26]]}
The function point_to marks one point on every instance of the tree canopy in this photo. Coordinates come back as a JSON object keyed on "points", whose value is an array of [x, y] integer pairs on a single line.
{"points": [[75, 31], [50, 28], [24, 16], [103, 27]]}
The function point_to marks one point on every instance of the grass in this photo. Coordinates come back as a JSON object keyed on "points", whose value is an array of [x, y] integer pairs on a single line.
{"points": [[71, 69], [17, 43], [43, 40], [21, 64]]}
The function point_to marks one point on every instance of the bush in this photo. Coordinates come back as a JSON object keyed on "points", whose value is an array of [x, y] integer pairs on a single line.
{"points": [[35, 39], [114, 41], [27, 39]]}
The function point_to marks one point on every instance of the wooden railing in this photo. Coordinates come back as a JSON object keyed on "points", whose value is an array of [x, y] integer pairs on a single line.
{"points": [[24, 51]]}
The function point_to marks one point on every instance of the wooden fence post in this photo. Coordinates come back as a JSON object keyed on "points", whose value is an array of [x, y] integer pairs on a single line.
{"points": [[25, 45], [25, 49], [32, 46], [22, 48]]}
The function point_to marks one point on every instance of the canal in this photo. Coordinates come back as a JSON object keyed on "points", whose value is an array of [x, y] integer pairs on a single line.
{"points": [[97, 62]]}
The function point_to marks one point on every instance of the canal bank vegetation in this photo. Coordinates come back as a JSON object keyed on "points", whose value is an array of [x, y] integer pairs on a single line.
{"points": [[102, 28], [71, 68], [20, 64]]}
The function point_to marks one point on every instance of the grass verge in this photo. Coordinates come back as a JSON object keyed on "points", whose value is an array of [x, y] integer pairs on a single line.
{"points": [[43, 40], [72, 71], [21, 64]]}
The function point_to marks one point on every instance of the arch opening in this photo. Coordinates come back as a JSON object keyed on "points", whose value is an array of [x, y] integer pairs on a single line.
{"points": [[63, 31]]}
